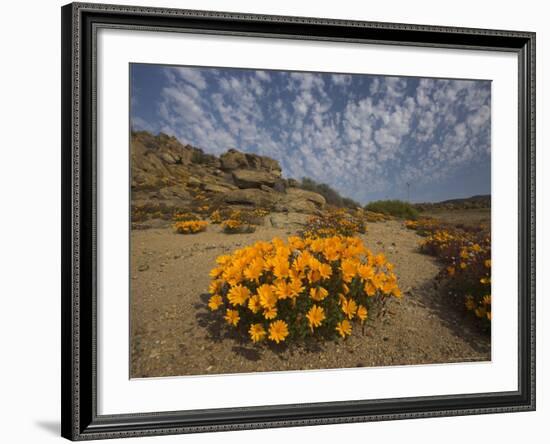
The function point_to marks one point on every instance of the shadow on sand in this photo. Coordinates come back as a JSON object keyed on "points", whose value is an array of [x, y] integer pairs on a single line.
{"points": [[216, 328], [434, 296]]}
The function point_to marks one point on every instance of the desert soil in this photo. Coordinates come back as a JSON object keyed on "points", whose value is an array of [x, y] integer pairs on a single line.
{"points": [[472, 217], [174, 333]]}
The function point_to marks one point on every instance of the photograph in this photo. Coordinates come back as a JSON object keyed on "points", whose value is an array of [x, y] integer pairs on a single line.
{"points": [[274, 222], [292, 220]]}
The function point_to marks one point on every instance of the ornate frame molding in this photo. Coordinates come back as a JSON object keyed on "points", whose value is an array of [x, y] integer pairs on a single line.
{"points": [[79, 395]]}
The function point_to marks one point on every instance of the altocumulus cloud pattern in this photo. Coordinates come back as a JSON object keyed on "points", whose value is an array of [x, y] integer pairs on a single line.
{"points": [[365, 135]]}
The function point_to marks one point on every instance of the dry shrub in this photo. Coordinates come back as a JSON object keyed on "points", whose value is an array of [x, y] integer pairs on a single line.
{"points": [[190, 226]]}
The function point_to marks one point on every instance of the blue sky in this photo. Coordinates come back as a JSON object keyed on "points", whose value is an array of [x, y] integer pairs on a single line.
{"points": [[365, 135]]}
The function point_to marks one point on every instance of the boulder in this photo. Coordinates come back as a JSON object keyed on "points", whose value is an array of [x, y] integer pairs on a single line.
{"points": [[253, 178], [301, 201], [271, 165], [288, 220], [218, 188], [315, 198], [254, 161], [266, 188], [250, 197], [232, 160], [175, 192], [168, 157], [194, 182], [281, 185]]}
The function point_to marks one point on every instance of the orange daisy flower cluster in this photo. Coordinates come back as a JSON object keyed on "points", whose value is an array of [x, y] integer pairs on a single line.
{"points": [[283, 290], [190, 226], [238, 221], [466, 256], [338, 222]]}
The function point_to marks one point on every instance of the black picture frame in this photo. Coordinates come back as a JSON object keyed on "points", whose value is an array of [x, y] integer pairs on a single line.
{"points": [[80, 420]]}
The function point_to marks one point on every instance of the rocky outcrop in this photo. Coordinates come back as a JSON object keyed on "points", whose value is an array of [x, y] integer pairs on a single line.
{"points": [[170, 176], [254, 178], [288, 220], [301, 201], [250, 197], [218, 188], [234, 160]]}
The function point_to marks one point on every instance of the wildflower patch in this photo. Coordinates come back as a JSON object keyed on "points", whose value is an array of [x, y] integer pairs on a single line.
{"points": [[281, 291]]}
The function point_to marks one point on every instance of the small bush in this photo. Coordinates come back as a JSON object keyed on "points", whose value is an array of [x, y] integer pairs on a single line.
{"points": [[152, 210], [468, 268], [332, 196], [184, 217], [235, 226], [466, 258], [238, 221], [396, 208], [424, 226], [200, 157], [216, 217], [283, 291], [190, 227], [350, 203], [334, 223], [371, 216], [248, 217]]}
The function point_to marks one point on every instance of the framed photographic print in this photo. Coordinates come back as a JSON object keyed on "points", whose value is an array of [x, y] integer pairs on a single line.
{"points": [[280, 221]]}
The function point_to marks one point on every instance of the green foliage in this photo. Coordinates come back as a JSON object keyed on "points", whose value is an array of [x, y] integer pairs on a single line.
{"points": [[331, 195], [350, 203], [397, 208], [200, 157]]}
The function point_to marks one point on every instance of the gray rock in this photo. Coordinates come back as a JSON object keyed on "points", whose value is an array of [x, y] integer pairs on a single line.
{"points": [[254, 161], [253, 178], [218, 188], [176, 191], [252, 196], [271, 165], [266, 188], [232, 160], [193, 181], [168, 158], [301, 201], [310, 196], [288, 220], [281, 185]]}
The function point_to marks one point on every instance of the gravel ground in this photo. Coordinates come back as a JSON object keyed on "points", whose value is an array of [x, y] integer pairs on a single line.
{"points": [[174, 333]]}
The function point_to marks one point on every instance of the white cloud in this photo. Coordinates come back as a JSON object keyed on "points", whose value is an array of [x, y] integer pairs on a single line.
{"points": [[363, 139], [341, 79], [139, 124], [263, 76], [192, 76]]}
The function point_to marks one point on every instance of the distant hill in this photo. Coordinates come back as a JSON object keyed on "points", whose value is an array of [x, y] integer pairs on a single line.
{"points": [[473, 202]]}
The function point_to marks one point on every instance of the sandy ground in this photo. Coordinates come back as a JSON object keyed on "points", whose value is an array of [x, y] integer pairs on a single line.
{"points": [[466, 217], [174, 333]]}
